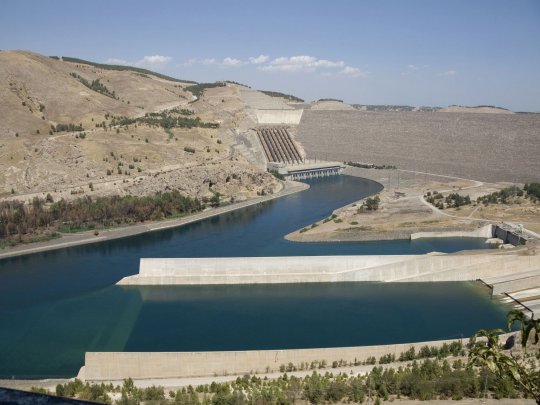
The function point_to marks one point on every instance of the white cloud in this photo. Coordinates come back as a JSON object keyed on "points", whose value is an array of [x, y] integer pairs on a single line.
{"points": [[412, 67], [147, 61], [189, 62], [352, 71], [259, 59], [231, 62], [450, 72], [209, 61], [154, 60], [115, 61], [300, 63]]}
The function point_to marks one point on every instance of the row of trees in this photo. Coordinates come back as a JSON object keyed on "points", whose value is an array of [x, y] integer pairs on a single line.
{"points": [[122, 67], [165, 120], [428, 380], [198, 89], [289, 97], [96, 86], [18, 219], [370, 165], [370, 204], [67, 128]]}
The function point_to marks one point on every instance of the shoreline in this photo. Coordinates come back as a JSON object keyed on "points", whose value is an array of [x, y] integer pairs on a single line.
{"points": [[404, 200], [87, 237], [276, 358], [402, 234]]}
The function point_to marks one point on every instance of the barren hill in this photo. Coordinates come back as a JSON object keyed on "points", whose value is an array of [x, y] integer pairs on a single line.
{"points": [[73, 129]]}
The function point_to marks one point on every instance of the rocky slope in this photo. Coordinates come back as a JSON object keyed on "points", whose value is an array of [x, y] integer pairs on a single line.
{"points": [[38, 93]]}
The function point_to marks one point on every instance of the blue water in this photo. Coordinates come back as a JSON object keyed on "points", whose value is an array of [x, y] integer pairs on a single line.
{"points": [[56, 305]]}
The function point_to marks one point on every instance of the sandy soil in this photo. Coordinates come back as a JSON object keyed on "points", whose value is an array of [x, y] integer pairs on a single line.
{"points": [[403, 209]]}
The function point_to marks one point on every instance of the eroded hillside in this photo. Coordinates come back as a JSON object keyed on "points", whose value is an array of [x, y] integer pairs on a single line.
{"points": [[71, 129]]}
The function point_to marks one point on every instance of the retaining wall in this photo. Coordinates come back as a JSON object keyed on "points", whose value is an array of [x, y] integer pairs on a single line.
{"points": [[306, 269], [515, 285], [483, 232], [100, 366], [508, 236]]}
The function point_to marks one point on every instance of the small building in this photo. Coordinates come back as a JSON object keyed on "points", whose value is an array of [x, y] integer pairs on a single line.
{"points": [[306, 170]]}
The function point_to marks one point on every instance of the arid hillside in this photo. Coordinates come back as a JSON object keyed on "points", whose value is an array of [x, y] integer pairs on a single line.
{"points": [[72, 129]]}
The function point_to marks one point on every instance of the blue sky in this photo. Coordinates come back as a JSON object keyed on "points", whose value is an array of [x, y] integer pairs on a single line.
{"points": [[416, 52]]}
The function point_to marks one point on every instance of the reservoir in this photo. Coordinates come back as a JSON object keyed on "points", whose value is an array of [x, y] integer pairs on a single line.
{"points": [[56, 305]]}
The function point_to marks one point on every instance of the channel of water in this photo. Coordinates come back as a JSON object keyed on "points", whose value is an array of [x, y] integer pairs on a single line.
{"points": [[56, 305]]}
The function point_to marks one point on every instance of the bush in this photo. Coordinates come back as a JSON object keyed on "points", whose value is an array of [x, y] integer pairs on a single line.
{"points": [[189, 149]]}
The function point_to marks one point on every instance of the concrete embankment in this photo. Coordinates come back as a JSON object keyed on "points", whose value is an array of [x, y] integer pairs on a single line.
{"points": [[308, 269], [483, 232], [105, 366], [353, 235]]}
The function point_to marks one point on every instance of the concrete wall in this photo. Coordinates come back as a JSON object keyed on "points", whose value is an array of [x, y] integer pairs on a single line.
{"points": [[289, 117], [516, 285], [118, 365], [305, 269], [484, 232], [508, 236]]}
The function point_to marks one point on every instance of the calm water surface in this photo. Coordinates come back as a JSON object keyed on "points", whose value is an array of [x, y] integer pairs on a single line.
{"points": [[56, 305]]}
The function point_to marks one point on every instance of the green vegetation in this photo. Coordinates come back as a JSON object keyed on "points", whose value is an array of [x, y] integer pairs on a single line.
{"points": [[67, 128], [369, 165], [198, 89], [370, 204], [96, 86], [20, 222], [455, 200], [479, 106], [277, 175], [238, 84], [520, 371], [123, 67], [165, 119], [504, 196], [425, 380], [289, 97], [331, 99], [533, 190]]}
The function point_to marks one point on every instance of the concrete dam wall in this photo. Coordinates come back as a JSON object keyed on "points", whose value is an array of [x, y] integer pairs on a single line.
{"points": [[323, 269], [288, 117]]}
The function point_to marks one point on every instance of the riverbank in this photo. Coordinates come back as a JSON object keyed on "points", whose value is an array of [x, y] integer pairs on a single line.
{"points": [[115, 366], [83, 238], [403, 213]]}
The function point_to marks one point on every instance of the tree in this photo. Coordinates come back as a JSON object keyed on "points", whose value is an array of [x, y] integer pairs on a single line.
{"points": [[489, 354]]}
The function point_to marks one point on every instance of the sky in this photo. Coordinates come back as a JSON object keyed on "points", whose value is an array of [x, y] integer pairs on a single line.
{"points": [[414, 52]]}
